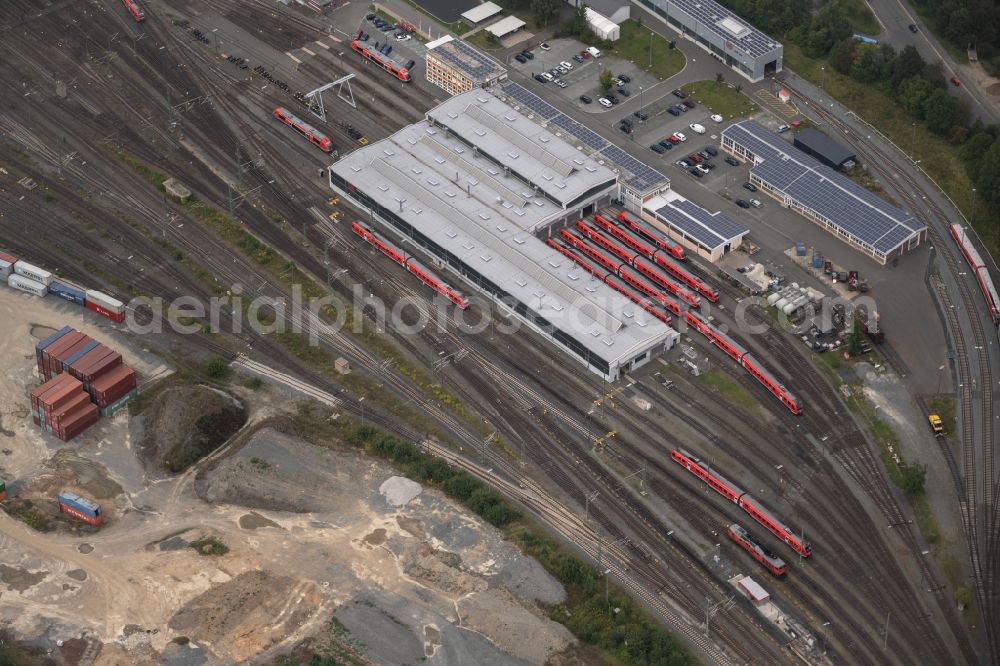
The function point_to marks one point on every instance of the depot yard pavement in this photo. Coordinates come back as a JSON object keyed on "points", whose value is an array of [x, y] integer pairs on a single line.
{"points": [[583, 79]]}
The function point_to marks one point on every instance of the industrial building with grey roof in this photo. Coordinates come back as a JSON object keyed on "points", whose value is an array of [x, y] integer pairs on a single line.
{"points": [[729, 38], [471, 186], [830, 199]]}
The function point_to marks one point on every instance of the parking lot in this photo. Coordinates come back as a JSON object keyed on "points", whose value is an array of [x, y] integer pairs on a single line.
{"points": [[583, 78]]}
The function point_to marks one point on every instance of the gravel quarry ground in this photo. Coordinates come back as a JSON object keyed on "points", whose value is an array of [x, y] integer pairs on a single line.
{"points": [[275, 545]]}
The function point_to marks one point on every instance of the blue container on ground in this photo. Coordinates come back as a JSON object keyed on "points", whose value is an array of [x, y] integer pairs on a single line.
{"points": [[49, 340], [90, 346], [70, 294]]}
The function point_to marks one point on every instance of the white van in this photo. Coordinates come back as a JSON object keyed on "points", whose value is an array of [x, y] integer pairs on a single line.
{"points": [[594, 52]]}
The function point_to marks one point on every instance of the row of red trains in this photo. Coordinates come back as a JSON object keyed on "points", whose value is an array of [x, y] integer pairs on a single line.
{"points": [[754, 509], [646, 272], [135, 10], [417, 269], [979, 268]]}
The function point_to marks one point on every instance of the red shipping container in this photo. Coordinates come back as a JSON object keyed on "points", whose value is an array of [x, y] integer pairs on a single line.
{"points": [[110, 361], [8, 257], [55, 397], [58, 359], [44, 388], [59, 414], [98, 352], [112, 385], [60, 400], [115, 317], [77, 422], [61, 344]]}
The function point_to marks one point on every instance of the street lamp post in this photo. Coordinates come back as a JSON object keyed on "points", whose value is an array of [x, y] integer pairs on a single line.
{"points": [[913, 142], [940, 370], [972, 216]]}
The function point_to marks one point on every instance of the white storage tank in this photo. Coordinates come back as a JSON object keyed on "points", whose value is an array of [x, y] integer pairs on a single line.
{"points": [[773, 298], [22, 283]]}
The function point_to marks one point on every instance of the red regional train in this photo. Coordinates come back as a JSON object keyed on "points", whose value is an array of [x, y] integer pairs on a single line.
{"points": [[640, 265], [133, 8], [742, 499], [675, 249], [658, 256], [979, 267], [378, 55], [746, 359], [418, 270], [771, 562], [318, 139]]}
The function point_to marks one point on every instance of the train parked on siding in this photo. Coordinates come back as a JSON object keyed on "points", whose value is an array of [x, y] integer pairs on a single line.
{"points": [[742, 499], [769, 560], [979, 267], [416, 268], [381, 56], [135, 10], [315, 137]]}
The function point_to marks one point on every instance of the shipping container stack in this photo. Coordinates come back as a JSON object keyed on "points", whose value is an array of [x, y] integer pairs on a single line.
{"points": [[84, 380]]}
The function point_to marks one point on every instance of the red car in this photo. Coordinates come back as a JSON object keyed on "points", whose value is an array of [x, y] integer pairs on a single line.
{"points": [[955, 81], [584, 54], [694, 158], [673, 139]]}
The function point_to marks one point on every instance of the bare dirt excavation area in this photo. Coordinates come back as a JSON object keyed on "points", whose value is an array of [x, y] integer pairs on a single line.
{"points": [[268, 545]]}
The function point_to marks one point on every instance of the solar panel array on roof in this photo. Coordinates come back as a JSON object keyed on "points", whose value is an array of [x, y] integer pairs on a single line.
{"points": [[468, 60], [710, 230], [848, 206], [728, 26], [634, 173], [527, 98]]}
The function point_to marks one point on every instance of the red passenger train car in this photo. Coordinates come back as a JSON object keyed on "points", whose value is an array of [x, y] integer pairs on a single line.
{"points": [[133, 8], [979, 267], [413, 266], [769, 560], [317, 138], [742, 499], [675, 249], [376, 56]]}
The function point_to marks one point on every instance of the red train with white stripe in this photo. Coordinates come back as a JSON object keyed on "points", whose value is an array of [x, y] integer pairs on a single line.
{"points": [[317, 138], [980, 269], [742, 499], [416, 268], [661, 257], [757, 551], [746, 359], [675, 249], [374, 53], [133, 8]]}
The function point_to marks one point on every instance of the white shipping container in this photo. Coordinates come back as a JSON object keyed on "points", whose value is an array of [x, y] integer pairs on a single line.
{"points": [[6, 268], [105, 301], [33, 272], [28, 285]]}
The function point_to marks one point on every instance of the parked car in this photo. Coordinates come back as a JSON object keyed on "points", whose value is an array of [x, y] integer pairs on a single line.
{"points": [[614, 100], [678, 93], [540, 78], [703, 155], [548, 76], [695, 172], [684, 164], [665, 144], [370, 16], [605, 102], [619, 82], [954, 81], [625, 121], [562, 70], [732, 161], [673, 140], [693, 158], [560, 83], [708, 165], [544, 46], [689, 104], [625, 128], [555, 72], [641, 115], [585, 99], [716, 118], [783, 128], [584, 54], [625, 77], [742, 203], [704, 168], [673, 111], [750, 186], [402, 37], [695, 127], [520, 58], [578, 57], [756, 203], [680, 137], [623, 92], [913, 28], [657, 148], [711, 151], [528, 54], [567, 65]]}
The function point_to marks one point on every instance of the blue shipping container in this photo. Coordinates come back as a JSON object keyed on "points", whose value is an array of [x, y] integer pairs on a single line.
{"points": [[81, 504], [83, 350], [52, 338], [69, 293]]}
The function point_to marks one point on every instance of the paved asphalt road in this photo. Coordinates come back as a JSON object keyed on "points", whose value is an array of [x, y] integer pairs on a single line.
{"points": [[895, 16]]}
